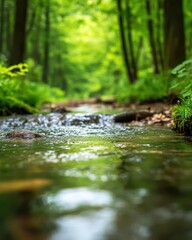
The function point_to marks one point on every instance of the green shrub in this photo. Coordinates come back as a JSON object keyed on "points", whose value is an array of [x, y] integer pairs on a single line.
{"points": [[11, 105], [35, 94], [150, 88], [182, 112], [18, 95], [183, 76]]}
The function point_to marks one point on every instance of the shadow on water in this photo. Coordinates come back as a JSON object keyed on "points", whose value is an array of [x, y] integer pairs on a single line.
{"points": [[91, 179]]}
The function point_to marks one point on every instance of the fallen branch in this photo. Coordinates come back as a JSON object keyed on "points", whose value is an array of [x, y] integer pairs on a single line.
{"points": [[132, 116]]}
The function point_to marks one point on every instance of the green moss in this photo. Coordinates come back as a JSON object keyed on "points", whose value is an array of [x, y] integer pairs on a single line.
{"points": [[11, 105]]}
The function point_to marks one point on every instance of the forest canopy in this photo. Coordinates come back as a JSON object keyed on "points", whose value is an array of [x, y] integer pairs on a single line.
{"points": [[123, 49]]}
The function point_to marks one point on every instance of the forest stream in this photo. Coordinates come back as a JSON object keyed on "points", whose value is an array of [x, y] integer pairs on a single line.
{"points": [[88, 178]]}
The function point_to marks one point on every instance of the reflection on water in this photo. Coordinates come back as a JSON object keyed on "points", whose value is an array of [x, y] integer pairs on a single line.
{"points": [[122, 183], [23, 223], [74, 198], [87, 226]]}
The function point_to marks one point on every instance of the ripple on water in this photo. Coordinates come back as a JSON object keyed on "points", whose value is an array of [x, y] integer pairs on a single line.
{"points": [[55, 124], [127, 179]]}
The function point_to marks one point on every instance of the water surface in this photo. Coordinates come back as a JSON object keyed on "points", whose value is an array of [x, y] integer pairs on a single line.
{"points": [[91, 179]]}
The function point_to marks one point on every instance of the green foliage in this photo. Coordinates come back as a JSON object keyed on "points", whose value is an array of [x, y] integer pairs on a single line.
{"points": [[18, 95], [182, 112], [11, 79], [35, 94], [13, 71], [10, 105], [150, 88], [85, 58], [35, 70], [183, 77]]}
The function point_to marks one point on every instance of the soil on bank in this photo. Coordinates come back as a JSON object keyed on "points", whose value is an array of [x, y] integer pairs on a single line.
{"points": [[137, 114]]}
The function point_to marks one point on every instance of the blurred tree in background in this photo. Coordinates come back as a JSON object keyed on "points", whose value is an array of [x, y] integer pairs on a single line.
{"points": [[17, 50], [174, 33], [94, 48]]}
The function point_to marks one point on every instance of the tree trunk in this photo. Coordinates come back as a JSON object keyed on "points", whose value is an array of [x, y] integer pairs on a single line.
{"points": [[159, 27], [151, 36], [139, 50], [31, 22], [45, 73], [2, 25], [37, 35], [130, 42], [174, 35], [8, 32], [19, 35], [123, 41]]}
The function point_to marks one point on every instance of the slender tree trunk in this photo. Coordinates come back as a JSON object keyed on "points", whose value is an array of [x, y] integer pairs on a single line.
{"points": [[130, 42], [31, 22], [45, 73], [174, 34], [8, 35], [159, 26], [2, 8], [19, 34], [123, 41], [139, 50], [36, 54], [151, 36]]}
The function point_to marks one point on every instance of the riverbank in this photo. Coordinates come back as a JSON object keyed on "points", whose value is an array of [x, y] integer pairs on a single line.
{"points": [[135, 114]]}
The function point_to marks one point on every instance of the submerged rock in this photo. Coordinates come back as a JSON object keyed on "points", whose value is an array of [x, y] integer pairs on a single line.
{"points": [[23, 134]]}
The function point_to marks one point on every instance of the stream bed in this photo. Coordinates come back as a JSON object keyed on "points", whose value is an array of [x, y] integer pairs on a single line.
{"points": [[88, 178]]}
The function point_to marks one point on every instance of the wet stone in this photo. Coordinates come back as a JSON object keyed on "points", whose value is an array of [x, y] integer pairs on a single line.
{"points": [[23, 134]]}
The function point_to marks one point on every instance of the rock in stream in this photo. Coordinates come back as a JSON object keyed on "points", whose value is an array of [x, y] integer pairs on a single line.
{"points": [[23, 134]]}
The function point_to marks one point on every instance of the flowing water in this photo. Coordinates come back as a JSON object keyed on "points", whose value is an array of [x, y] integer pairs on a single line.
{"points": [[88, 178]]}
